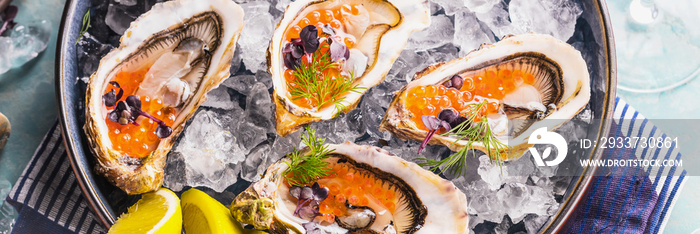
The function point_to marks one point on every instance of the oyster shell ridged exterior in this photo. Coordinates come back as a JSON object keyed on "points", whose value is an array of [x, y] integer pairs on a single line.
{"points": [[427, 203], [567, 89], [217, 23], [405, 16]]}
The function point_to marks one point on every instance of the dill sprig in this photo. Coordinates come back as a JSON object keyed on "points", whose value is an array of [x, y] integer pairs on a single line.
{"points": [[321, 88], [308, 166], [86, 25], [476, 128]]}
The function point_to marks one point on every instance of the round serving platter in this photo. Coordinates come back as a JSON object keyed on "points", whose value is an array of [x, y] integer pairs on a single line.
{"points": [[108, 201]]}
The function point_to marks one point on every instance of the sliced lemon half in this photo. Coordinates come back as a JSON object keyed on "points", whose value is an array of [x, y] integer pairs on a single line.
{"points": [[204, 214], [156, 212]]}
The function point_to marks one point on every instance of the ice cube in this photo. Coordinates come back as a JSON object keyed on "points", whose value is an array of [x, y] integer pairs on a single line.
{"points": [[211, 134], [90, 52], [520, 199], [480, 6], [484, 203], [221, 98], [409, 62], [440, 32], [24, 43], [254, 164], [502, 228], [450, 6], [259, 25], [282, 5], [127, 2], [373, 109], [498, 173], [283, 146], [498, 21], [473, 221], [5, 188], [8, 213], [336, 130], [175, 177], [119, 17], [208, 152], [553, 17], [5, 45], [573, 131], [259, 108], [469, 34], [444, 53], [533, 222], [408, 151], [244, 83], [249, 135], [236, 61]]}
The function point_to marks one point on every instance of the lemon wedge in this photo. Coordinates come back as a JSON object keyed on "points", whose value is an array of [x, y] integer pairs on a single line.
{"points": [[156, 212], [203, 214]]}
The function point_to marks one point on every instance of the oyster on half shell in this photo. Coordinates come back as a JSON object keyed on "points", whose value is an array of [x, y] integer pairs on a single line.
{"points": [[168, 59], [529, 81], [374, 31], [369, 191]]}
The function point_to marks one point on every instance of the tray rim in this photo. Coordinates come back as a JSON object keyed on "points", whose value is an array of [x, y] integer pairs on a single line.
{"points": [[104, 212]]}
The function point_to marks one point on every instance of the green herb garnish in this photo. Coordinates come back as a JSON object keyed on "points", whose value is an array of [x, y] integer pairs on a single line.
{"points": [[86, 25], [320, 88], [475, 128], [309, 165]]}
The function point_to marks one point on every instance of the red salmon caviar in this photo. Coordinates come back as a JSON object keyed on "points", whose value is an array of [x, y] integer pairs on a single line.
{"points": [[353, 187], [132, 140], [494, 84]]}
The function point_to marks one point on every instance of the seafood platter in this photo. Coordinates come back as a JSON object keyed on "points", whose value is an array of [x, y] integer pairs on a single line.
{"points": [[335, 116]]}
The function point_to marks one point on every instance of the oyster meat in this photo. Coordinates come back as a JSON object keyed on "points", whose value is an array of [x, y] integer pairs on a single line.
{"points": [[369, 191], [525, 82], [325, 54], [143, 92]]}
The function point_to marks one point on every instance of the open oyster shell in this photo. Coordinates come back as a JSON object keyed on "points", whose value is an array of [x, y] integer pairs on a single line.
{"points": [[186, 44], [423, 202], [559, 90], [379, 43]]}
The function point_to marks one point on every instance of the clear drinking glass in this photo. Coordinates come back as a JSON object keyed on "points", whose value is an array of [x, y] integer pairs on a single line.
{"points": [[657, 44]]}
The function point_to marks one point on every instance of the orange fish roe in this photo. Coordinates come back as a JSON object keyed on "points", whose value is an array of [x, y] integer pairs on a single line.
{"points": [[319, 18], [356, 188], [431, 99], [132, 140]]}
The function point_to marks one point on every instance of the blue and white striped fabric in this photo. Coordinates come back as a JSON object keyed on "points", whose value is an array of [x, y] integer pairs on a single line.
{"points": [[49, 199], [666, 181], [47, 196]]}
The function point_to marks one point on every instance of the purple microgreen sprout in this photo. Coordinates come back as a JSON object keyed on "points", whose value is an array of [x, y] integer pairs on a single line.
{"points": [[327, 29], [110, 98], [126, 112], [307, 43], [8, 16], [451, 117], [319, 193], [312, 228], [308, 200], [309, 36], [338, 50], [454, 82], [433, 124], [291, 62]]}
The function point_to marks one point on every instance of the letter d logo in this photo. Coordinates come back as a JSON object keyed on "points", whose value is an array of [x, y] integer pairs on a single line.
{"points": [[542, 136]]}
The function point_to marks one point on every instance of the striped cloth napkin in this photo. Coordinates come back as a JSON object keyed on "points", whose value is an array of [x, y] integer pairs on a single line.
{"points": [[49, 200]]}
